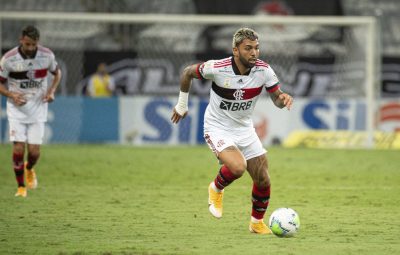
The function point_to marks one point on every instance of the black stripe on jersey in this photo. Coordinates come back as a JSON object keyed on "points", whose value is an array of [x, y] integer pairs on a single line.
{"points": [[224, 93], [19, 75], [26, 75], [229, 94]]}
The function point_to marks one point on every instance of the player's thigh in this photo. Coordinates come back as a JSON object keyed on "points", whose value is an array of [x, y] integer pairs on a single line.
{"points": [[226, 151], [234, 160], [18, 132], [35, 133], [217, 141]]}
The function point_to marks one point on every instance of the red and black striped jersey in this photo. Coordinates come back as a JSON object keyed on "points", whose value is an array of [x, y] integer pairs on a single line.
{"points": [[27, 75], [233, 96]]}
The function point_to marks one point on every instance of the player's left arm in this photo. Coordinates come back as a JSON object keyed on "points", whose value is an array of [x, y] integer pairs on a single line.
{"points": [[50, 95], [281, 99]]}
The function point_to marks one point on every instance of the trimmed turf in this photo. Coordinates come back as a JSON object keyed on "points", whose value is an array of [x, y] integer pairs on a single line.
{"points": [[103, 199]]}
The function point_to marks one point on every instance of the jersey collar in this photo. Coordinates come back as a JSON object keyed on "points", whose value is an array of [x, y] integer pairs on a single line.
{"points": [[25, 56], [236, 69]]}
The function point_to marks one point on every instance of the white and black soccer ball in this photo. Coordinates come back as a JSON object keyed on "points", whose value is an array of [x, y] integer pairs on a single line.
{"points": [[284, 222]]}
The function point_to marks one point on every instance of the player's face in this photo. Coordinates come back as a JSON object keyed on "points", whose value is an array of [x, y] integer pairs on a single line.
{"points": [[28, 45], [248, 52]]}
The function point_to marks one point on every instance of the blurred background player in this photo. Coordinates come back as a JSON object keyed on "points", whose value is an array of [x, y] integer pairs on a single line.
{"points": [[228, 128], [23, 80], [101, 84]]}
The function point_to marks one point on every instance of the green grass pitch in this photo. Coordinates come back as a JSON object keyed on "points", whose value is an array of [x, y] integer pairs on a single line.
{"points": [[105, 199]]}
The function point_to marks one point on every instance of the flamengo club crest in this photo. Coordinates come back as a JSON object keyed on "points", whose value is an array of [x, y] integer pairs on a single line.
{"points": [[30, 74], [238, 94]]}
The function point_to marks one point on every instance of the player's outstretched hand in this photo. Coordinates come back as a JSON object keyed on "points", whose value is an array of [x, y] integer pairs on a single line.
{"points": [[176, 117], [287, 100], [18, 98]]}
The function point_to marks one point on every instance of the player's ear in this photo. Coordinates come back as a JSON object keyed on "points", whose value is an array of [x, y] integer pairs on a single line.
{"points": [[235, 51]]}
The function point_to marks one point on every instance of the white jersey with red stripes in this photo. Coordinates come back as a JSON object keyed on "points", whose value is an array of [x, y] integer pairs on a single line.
{"points": [[28, 76], [233, 96]]}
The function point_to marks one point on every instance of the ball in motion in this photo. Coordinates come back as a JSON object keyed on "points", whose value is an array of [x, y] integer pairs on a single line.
{"points": [[284, 222]]}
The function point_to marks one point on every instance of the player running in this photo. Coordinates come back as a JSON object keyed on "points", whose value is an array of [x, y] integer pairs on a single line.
{"points": [[24, 70], [228, 128]]}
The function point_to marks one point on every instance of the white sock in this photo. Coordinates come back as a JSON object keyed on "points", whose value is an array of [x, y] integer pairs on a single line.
{"points": [[215, 187], [254, 220]]}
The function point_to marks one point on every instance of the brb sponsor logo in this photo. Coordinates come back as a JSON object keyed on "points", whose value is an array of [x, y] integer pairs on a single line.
{"points": [[31, 84], [235, 106]]}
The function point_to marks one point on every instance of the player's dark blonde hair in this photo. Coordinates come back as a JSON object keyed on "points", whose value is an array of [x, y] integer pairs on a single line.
{"points": [[243, 33]]}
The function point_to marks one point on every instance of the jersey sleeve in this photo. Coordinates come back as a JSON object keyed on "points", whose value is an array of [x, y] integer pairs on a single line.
{"points": [[206, 70], [3, 70], [53, 64], [271, 80]]}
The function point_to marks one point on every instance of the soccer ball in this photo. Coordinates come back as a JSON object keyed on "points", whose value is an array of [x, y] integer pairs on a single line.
{"points": [[284, 222]]}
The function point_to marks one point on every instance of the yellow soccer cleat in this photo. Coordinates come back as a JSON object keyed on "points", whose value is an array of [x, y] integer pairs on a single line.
{"points": [[259, 228], [215, 202], [31, 179], [21, 192]]}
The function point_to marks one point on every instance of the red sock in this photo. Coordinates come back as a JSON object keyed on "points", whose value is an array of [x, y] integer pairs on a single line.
{"points": [[224, 178], [18, 160], [260, 199]]}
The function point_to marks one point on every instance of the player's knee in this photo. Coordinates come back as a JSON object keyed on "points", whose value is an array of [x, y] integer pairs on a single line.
{"points": [[238, 168], [33, 155], [19, 148], [19, 152]]}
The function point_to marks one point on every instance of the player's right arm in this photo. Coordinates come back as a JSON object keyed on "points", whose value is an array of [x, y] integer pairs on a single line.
{"points": [[18, 98], [181, 108]]}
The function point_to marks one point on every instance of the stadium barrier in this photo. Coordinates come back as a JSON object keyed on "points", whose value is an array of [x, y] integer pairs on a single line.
{"points": [[145, 120]]}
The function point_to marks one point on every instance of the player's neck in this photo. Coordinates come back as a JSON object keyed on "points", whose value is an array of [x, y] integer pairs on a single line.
{"points": [[27, 55], [242, 69]]}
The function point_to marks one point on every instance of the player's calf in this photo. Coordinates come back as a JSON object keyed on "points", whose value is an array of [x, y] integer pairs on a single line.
{"points": [[18, 165]]}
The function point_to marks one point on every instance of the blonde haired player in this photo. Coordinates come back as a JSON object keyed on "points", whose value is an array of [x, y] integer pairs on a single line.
{"points": [[24, 69], [237, 82]]}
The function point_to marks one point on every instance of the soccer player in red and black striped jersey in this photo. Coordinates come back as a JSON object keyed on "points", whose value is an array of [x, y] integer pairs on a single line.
{"points": [[23, 80], [237, 82]]}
